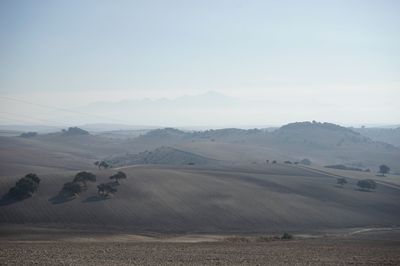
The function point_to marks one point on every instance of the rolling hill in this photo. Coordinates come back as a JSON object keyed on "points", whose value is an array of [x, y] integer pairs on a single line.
{"points": [[267, 198]]}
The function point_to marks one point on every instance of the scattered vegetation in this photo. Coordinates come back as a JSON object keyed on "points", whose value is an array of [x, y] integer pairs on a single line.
{"points": [[384, 169], [341, 181], [25, 187], [288, 162], [367, 184], [118, 176]]}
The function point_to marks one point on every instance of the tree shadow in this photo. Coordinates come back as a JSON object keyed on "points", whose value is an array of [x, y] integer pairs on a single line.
{"points": [[61, 198], [363, 190], [95, 198], [8, 200]]}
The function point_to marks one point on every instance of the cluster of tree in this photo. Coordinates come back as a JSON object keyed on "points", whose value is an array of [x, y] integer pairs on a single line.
{"points": [[78, 184], [81, 179], [25, 186], [74, 131], [102, 164]]}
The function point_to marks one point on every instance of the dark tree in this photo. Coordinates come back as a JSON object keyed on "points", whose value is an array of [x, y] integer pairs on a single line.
{"points": [[71, 188], [274, 162], [367, 184], [288, 162], [118, 176], [384, 169], [97, 163], [84, 177], [25, 187], [341, 181]]}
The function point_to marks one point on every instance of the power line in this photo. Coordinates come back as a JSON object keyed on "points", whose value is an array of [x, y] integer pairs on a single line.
{"points": [[62, 109], [34, 118]]}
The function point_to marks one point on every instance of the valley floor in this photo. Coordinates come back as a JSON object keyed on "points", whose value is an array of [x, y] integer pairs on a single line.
{"points": [[380, 247]]}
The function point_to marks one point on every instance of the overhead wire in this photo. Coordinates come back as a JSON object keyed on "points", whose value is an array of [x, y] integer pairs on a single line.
{"points": [[62, 109]]}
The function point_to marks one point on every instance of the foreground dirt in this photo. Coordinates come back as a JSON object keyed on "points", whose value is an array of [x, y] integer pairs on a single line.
{"points": [[361, 249]]}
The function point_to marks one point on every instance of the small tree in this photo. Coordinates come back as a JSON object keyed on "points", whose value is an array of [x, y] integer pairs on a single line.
{"points": [[118, 176], [103, 164], [341, 181], [105, 190], [84, 177], [384, 169], [367, 184], [97, 163], [287, 236], [71, 188]]}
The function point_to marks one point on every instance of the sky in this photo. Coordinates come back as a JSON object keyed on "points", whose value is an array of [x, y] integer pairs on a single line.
{"points": [[284, 61]]}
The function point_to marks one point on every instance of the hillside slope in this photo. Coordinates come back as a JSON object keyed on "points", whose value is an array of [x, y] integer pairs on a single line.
{"points": [[162, 155], [195, 199]]}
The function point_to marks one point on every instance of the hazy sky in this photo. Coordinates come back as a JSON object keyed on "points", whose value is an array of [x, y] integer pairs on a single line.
{"points": [[333, 61]]}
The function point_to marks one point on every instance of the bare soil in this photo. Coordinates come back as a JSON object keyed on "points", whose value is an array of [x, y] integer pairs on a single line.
{"points": [[362, 247]]}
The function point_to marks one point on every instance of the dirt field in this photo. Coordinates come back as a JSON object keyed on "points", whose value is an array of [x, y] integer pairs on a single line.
{"points": [[362, 248]]}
